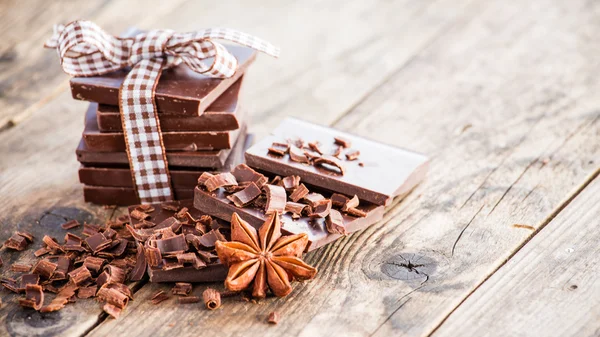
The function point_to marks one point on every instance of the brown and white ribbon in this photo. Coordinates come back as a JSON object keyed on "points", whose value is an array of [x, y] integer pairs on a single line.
{"points": [[87, 50]]}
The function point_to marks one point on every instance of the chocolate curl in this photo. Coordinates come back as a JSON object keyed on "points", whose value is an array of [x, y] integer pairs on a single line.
{"points": [[212, 299]]}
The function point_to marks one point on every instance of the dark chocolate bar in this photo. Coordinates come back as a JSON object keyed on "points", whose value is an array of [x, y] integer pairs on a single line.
{"points": [[98, 141], [219, 116], [377, 174], [206, 159], [121, 177], [180, 91], [216, 204], [123, 196]]}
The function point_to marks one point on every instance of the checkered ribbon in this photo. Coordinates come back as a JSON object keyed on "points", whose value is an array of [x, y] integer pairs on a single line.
{"points": [[87, 50]]}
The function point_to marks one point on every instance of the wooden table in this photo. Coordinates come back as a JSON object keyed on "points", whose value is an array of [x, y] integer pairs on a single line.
{"points": [[501, 239]]}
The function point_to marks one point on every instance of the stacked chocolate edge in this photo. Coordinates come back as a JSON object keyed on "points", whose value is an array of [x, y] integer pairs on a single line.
{"points": [[323, 182], [202, 122]]}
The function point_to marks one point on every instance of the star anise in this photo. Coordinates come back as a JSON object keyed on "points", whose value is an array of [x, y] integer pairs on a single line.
{"points": [[266, 257]]}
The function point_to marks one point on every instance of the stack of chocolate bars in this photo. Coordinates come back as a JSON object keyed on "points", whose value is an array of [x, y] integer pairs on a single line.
{"points": [[201, 119], [323, 182]]}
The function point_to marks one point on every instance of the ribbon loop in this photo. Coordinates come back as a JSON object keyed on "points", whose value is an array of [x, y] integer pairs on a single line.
{"points": [[87, 50]]}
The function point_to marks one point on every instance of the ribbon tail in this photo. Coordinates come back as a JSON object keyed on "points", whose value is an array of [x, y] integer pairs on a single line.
{"points": [[141, 128]]}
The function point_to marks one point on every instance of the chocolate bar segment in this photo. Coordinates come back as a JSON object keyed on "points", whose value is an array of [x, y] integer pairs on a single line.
{"points": [[96, 140], [216, 204], [221, 115], [123, 196], [387, 171], [180, 91]]}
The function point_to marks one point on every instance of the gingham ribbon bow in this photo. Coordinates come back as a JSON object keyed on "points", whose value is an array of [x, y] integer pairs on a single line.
{"points": [[87, 50]]}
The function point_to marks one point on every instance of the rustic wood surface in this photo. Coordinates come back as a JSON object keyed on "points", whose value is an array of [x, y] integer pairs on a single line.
{"points": [[502, 94]]}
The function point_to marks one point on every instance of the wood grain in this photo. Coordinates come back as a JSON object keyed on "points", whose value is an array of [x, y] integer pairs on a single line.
{"points": [[488, 98], [549, 288]]}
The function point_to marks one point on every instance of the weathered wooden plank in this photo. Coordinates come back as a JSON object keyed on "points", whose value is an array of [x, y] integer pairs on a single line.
{"points": [[549, 288], [510, 114]]}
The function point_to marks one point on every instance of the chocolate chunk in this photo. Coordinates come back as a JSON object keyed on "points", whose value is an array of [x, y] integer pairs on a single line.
{"points": [[34, 297], [273, 317], [20, 267], [321, 208], [173, 244], [93, 264], [44, 268], [97, 242], [243, 173], [290, 182], [204, 177], [188, 299], [87, 292], [342, 142], [351, 203], [276, 198], [140, 264], [16, 242], [212, 298], [298, 155], [313, 199], [181, 289], [245, 196], [158, 297], [338, 200], [26, 279], [352, 155], [63, 264], [80, 275], [330, 163], [335, 223], [70, 224], [299, 193], [220, 180]]}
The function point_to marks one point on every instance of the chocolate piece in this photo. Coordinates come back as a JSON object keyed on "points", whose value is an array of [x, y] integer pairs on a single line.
{"points": [[190, 258], [44, 268], [97, 242], [338, 200], [290, 182], [273, 317], [298, 155], [158, 297], [245, 196], [336, 153], [188, 299], [93, 264], [179, 91], [217, 204], [20, 267], [122, 196], [70, 224], [335, 223], [153, 256], [40, 252], [28, 236], [352, 155], [330, 163], [219, 116], [80, 275], [176, 243], [26, 279], [351, 203], [218, 159], [342, 142], [279, 149], [220, 180], [211, 298], [61, 298], [112, 310], [63, 264], [295, 208], [276, 198], [117, 274], [299, 193], [98, 141], [51, 243], [139, 270], [182, 289], [204, 177], [209, 239], [243, 173], [87, 292], [391, 171], [313, 199], [356, 212], [112, 296], [321, 208], [34, 297], [315, 146], [16, 242]]}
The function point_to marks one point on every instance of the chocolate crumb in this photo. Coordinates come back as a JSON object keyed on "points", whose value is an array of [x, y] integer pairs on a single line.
{"points": [[342, 142], [182, 289], [273, 318], [353, 155], [70, 224], [315, 147], [158, 297]]}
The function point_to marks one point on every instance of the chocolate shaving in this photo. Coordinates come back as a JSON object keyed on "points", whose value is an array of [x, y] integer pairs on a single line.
{"points": [[203, 178], [212, 298], [338, 200], [182, 289], [172, 244], [245, 196], [153, 256], [351, 203], [63, 264], [276, 180], [311, 155], [34, 297], [352, 155], [26, 279], [169, 264], [98, 242], [290, 182], [342, 142], [117, 274], [220, 180], [20, 267], [299, 193], [356, 212], [313, 199], [110, 233], [112, 296], [120, 287], [182, 214], [112, 310], [188, 299], [87, 292], [192, 259], [61, 298], [70, 224], [295, 207], [158, 297], [41, 251], [139, 215], [335, 222], [93, 264], [315, 147], [90, 229], [16, 242], [243, 173], [328, 162], [28, 236], [298, 155], [209, 239], [174, 206], [338, 150], [276, 198], [273, 318], [44, 268], [279, 149], [80, 275], [321, 208], [145, 208], [140, 264]]}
